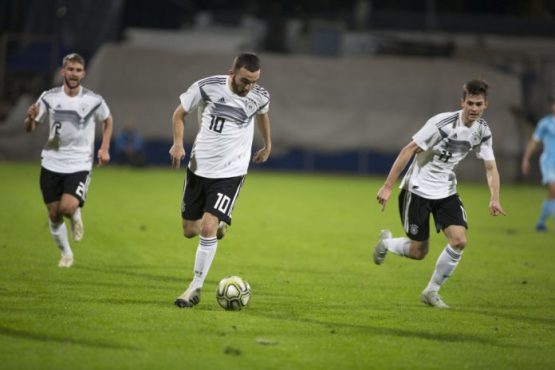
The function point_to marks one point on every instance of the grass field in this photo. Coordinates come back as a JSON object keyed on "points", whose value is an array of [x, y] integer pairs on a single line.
{"points": [[304, 243]]}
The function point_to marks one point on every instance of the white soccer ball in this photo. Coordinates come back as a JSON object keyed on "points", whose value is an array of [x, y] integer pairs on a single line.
{"points": [[233, 293]]}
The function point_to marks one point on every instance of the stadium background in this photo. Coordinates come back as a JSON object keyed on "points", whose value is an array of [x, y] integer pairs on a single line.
{"points": [[350, 81]]}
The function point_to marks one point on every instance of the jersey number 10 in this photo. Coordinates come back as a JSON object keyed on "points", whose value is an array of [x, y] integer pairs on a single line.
{"points": [[217, 124]]}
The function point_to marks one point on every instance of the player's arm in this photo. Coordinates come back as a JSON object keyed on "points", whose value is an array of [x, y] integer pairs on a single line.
{"points": [[30, 119], [531, 148], [104, 150], [399, 165], [492, 175], [177, 151], [263, 124]]}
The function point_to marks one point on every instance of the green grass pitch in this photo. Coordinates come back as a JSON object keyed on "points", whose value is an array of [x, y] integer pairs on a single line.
{"points": [[304, 244]]}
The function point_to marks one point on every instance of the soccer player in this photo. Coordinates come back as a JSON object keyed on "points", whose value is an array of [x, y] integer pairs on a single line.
{"points": [[545, 132], [67, 158], [429, 186], [228, 106]]}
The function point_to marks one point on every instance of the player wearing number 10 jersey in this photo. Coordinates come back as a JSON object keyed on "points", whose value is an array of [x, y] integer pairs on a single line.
{"points": [[227, 106], [429, 186]]}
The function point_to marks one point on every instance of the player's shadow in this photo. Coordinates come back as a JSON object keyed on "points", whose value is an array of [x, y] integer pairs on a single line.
{"points": [[334, 327], [527, 319], [132, 271], [15, 333]]}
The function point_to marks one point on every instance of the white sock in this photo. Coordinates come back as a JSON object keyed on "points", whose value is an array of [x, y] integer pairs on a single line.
{"points": [[77, 214], [445, 265], [206, 251], [399, 246], [59, 234]]}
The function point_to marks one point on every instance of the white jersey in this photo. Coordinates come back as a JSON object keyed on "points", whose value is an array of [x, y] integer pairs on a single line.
{"points": [[445, 141], [72, 122], [222, 147]]}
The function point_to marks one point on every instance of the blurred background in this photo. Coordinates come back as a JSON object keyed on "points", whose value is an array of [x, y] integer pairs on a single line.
{"points": [[351, 81]]}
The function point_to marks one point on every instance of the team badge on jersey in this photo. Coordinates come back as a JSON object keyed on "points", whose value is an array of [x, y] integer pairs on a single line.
{"points": [[475, 139], [413, 229], [251, 107], [83, 108]]}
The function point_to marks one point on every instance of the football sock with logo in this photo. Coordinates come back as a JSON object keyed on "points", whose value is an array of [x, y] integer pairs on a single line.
{"points": [[399, 246], [206, 251], [445, 265], [59, 234]]}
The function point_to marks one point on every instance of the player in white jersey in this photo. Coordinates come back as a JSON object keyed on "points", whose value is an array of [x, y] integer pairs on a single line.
{"points": [[72, 112], [228, 107], [429, 186]]}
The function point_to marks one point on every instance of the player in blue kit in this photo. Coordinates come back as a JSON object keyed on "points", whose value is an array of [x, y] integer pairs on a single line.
{"points": [[544, 133]]}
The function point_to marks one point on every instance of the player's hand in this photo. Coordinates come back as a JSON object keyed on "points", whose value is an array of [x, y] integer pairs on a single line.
{"points": [[383, 195], [262, 155], [495, 209], [525, 167], [32, 112], [103, 157], [177, 154]]}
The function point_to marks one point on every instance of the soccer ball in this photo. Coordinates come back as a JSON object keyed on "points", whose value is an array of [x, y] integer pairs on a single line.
{"points": [[233, 293]]}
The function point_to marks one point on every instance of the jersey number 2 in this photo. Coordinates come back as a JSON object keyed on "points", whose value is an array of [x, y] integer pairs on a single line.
{"points": [[445, 155]]}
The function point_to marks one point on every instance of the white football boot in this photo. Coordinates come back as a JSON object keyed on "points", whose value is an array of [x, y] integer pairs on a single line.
{"points": [[66, 260], [189, 298], [380, 250], [432, 299]]}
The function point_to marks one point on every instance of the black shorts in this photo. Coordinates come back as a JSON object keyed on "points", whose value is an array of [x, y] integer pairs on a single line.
{"points": [[215, 196], [54, 184], [415, 214]]}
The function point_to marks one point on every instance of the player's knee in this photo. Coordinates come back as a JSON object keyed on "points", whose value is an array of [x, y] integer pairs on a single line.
{"points": [[67, 210], [458, 243], [419, 250], [208, 230], [190, 228], [419, 254], [55, 217], [189, 232]]}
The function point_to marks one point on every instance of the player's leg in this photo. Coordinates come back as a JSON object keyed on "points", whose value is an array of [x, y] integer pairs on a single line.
{"points": [[192, 205], [51, 189], [548, 207], [233, 189], [551, 196], [69, 207], [58, 231], [449, 215], [206, 251], [191, 228], [219, 195], [547, 168], [415, 217], [75, 187]]}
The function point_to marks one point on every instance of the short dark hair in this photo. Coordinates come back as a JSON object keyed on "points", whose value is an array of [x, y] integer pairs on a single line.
{"points": [[249, 61], [73, 57], [476, 87]]}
